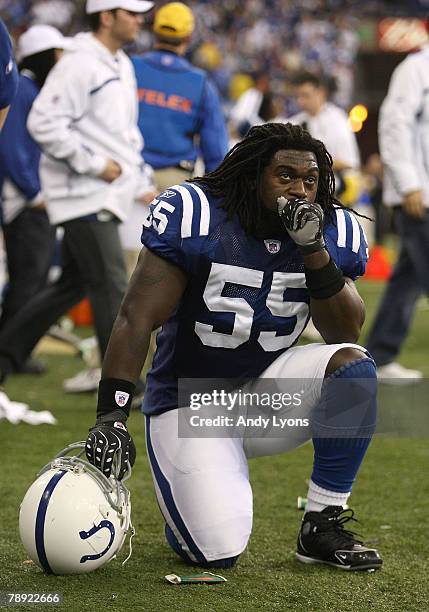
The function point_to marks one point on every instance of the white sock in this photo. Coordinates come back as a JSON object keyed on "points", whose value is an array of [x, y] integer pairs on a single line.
{"points": [[318, 498]]}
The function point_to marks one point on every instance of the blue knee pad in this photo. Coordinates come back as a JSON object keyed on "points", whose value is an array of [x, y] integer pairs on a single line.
{"points": [[343, 424], [218, 563], [348, 406]]}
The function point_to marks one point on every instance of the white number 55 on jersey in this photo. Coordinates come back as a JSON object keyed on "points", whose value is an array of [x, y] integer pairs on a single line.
{"points": [[220, 274]]}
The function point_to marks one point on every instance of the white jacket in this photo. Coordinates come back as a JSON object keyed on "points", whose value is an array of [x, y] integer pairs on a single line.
{"points": [[331, 126], [404, 130], [87, 112]]}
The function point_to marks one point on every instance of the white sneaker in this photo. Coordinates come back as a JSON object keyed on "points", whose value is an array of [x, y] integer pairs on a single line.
{"points": [[83, 382], [395, 374]]}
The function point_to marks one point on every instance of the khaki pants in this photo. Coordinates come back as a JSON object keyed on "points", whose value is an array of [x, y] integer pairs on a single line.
{"points": [[166, 177], [131, 258]]}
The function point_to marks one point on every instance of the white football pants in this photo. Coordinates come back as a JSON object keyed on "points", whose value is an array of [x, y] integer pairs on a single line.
{"points": [[202, 484]]}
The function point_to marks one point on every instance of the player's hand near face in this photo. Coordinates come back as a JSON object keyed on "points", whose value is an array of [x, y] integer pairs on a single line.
{"points": [[339, 313], [303, 221]]}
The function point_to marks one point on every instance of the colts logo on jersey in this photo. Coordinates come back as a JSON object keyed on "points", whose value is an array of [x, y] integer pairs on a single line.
{"points": [[273, 246]]}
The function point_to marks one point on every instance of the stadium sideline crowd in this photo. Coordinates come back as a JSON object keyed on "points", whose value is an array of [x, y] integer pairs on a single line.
{"points": [[232, 41]]}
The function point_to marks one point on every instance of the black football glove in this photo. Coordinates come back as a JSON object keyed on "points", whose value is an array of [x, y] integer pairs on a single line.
{"points": [[110, 444], [303, 221]]}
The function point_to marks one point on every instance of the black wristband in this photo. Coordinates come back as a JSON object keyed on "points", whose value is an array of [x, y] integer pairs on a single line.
{"points": [[324, 282], [114, 399]]}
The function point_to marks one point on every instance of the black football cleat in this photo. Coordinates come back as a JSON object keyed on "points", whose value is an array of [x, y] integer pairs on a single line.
{"points": [[323, 539]]}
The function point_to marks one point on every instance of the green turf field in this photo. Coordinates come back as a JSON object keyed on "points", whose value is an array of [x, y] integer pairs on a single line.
{"points": [[391, 497]]}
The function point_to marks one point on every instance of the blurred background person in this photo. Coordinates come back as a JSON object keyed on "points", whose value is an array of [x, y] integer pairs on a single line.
{"points": [[85, 121], [373, 185], [325, 121], [8, 73], [29, 238], [328, 123], [404, 147], [254, 106], [180, 114]]}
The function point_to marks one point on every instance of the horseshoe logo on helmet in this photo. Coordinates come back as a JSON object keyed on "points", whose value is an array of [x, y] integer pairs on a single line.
{"points": [[84, 535]]}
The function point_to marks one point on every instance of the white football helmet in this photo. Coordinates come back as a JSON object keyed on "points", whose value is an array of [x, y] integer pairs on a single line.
{"points": [[73, 519]]}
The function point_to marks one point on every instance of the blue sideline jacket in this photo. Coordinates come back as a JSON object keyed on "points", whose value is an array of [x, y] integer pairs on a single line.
{"points": [[176, 103]]}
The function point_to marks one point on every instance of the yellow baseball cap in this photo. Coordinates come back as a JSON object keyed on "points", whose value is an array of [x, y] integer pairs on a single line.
{"points": [[174, 20]]}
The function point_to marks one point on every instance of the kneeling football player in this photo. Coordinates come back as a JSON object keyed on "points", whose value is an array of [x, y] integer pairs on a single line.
{"points": [[234, 264]]}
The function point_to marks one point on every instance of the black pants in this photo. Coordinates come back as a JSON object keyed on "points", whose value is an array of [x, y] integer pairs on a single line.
{"points": [[93, 265], [409, 280], [30, 243]]}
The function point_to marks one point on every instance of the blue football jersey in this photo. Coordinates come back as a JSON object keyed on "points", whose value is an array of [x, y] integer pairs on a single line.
{"points": [[246, 301]]}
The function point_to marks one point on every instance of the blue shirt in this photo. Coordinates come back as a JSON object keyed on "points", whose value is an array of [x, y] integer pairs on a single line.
{"points": [[176, 103], [19, 153], [8, 70], [246, 301]]}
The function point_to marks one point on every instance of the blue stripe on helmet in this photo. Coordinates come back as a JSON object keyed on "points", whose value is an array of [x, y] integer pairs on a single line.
{"points": [[40, 520]]}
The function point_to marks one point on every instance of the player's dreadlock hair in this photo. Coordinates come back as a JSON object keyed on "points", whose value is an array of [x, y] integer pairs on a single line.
{"points": [[238, 177]]}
